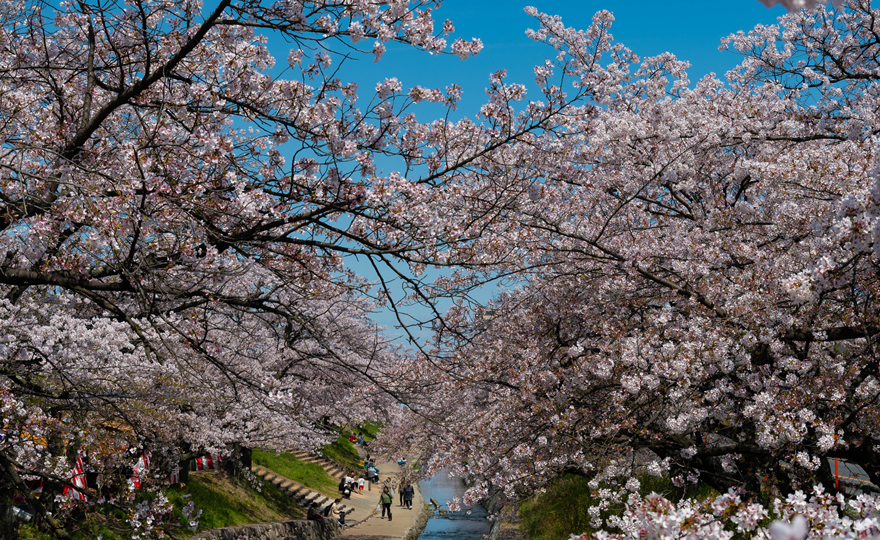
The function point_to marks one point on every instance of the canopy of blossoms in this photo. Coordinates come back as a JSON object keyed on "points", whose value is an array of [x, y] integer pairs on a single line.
{"points": [[695, 286], [689, 267]]}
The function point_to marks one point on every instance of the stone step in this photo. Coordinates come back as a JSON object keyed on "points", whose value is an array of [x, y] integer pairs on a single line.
{"points": [[291, 487], [332, 468], [312, 496], [286, 484]]}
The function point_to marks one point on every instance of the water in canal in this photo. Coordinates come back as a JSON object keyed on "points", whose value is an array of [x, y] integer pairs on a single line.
{"points": [[452, 526]]}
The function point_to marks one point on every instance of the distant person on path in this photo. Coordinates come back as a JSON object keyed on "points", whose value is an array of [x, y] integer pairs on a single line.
{"points": [[360, 439], [407, 493], [361, 484], [385, 500], [391, 487]]}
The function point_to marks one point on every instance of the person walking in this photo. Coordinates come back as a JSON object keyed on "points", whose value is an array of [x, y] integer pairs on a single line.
{"points": [[385, 500], [408, 492]]}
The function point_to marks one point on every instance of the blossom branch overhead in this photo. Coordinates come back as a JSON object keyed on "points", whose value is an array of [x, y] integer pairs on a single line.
{"points": [[795, 5]]}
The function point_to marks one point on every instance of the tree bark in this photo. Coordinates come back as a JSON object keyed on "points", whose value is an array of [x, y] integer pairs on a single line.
{"points": [[184, 470], [8, 529], [9, 475]]}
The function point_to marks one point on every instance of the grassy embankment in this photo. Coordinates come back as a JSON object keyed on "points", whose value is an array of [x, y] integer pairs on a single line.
{"points": [[311, 475], [223, 500], [343, 452], [226, 501], [562, 510]]}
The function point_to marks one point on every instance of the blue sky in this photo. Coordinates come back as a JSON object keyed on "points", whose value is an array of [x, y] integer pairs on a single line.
{"points": [[690, 29]]}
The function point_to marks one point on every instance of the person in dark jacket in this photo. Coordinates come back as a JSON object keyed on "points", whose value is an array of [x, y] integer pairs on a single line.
{"points": [[408, 492], [314, 514]]}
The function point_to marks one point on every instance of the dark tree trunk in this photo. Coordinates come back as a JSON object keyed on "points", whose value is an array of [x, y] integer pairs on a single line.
{"points": [[494, 507], [9, 482], [238, 460], [246, 460], [8, 526], [184, 470]]}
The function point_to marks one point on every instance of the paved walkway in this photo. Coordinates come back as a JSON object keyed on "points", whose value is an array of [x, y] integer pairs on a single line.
{"points": [[365, 523]]}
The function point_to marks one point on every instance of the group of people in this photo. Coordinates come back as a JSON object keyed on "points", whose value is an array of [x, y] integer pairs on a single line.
{"points": [[387, 497], [332, 510], [357, 439], [349, 485], [371, 471]]}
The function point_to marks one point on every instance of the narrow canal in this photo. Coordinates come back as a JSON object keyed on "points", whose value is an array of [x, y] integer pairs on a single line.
{"points": [[459, 525]]}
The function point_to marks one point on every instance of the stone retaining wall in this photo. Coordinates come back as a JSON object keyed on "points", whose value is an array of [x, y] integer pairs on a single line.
{"points": [[286, 530], [413, 532]]}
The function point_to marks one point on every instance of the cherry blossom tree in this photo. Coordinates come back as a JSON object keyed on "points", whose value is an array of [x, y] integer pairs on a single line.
{"points": [[727, 516], [177, 211], [691, 265], [695, 269]]}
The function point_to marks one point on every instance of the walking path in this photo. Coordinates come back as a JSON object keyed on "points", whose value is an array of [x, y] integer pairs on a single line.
{"points": [[363, 520], [373, 527]]}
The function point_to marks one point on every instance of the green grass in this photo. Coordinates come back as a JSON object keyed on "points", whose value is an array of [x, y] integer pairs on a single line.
{"points": [[344, 453], [311, 475], [562, 510], [224, 501], [370, 430]]}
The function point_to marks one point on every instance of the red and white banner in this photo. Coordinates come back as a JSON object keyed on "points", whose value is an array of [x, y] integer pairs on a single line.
{"points": [[208, 462], [78, 480], [140, 468], [174, 477]]}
